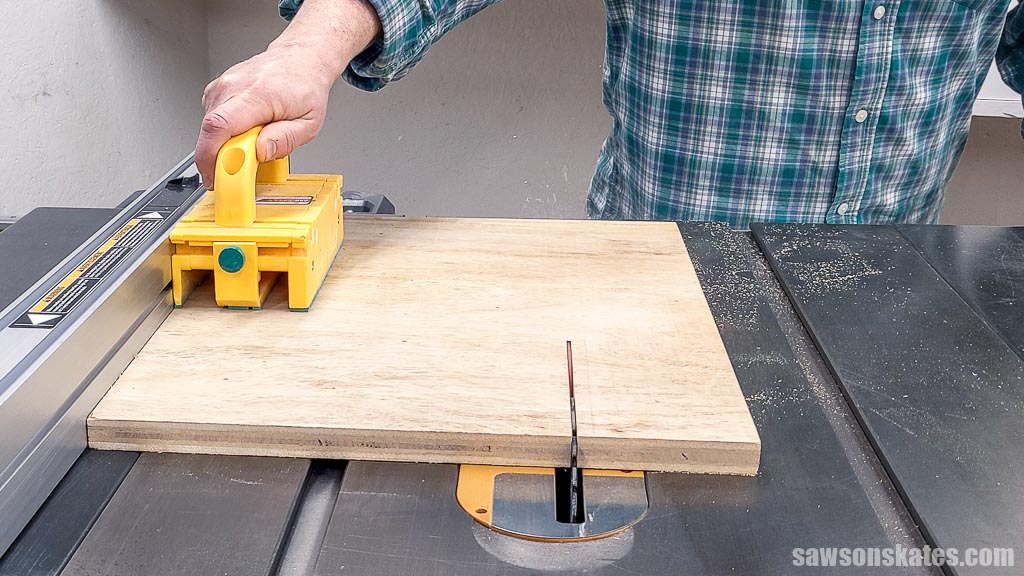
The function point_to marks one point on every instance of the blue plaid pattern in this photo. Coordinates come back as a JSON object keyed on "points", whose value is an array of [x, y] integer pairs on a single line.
{"points": [[840, 111]]}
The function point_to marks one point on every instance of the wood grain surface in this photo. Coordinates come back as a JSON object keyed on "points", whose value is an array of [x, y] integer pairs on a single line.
{"points": [[443, 340]]}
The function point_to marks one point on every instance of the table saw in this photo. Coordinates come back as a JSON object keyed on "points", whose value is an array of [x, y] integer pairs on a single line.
{"points": [[883, 367]]}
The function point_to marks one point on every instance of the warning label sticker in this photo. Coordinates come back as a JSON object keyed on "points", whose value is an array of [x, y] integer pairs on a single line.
{"points": [[74, 288], [285, 200]]}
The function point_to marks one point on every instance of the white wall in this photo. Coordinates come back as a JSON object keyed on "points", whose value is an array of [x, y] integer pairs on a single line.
{"points": [[988, 186], [100, 97]]}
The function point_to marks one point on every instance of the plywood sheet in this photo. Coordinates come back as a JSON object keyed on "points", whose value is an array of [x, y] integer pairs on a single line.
{"points": [[443, 340]]}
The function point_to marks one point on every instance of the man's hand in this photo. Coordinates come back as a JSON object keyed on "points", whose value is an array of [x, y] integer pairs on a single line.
{"points": [[278, 88], [286, 87]]}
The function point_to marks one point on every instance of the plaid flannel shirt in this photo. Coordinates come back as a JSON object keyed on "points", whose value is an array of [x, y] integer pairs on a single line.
{"points": [[844, 111]]}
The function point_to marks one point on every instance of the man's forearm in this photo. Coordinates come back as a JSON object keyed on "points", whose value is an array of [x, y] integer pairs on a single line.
{"points": [[332, 31]]}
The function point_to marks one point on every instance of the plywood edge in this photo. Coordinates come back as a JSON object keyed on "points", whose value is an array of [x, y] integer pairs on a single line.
{"points": [[728, 458], [328, 443]]}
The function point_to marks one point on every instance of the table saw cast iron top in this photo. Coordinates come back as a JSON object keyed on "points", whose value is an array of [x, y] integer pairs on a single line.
{"points": [[912, 450]]}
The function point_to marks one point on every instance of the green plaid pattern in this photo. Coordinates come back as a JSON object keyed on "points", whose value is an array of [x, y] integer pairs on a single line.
{"points": [[839, 111]]}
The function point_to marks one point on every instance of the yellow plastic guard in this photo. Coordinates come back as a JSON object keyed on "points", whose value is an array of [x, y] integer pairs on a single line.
{"points": [[258, 223]]}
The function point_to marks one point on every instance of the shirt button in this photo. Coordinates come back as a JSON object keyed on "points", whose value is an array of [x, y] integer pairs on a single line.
{"points": [[861, 116], [879, 12], [843, 208]]}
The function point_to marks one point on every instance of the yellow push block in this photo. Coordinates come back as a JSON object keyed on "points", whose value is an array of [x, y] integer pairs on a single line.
{"points": [[259, 223]]}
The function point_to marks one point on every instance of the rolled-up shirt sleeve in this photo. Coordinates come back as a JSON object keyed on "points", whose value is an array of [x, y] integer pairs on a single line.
{"points": [[410, 28]]}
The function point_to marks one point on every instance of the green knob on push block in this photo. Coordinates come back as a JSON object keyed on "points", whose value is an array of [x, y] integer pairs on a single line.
{"points": [[231, 259]]}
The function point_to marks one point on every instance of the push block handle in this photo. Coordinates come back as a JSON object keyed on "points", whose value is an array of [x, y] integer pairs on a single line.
{"points": [[237, 173]]}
